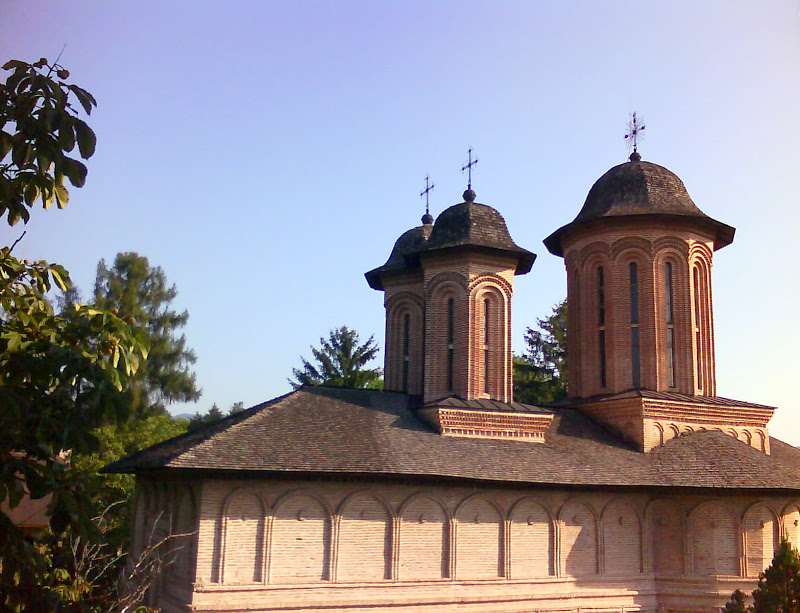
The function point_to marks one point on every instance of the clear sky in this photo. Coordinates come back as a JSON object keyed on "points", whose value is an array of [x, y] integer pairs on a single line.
{"points": [[267, 154]]}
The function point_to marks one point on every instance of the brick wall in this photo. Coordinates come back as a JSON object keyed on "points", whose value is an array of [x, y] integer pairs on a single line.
{"points": [[259, 539], [652, 246]]}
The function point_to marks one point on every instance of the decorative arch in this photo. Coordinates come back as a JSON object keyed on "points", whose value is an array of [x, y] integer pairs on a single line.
{"points": [[595, 248], [404, 332], [242, 537], [666, 528], [478, 539], [673, 244], [790, 522], [660, 436], [301, 538], [365, 538], [532, 539], [714, 540], [579, 550], [447, 281], [423, 546], [489, 342], [631, 247], [185, 527], [622, 539], [761, 531]]}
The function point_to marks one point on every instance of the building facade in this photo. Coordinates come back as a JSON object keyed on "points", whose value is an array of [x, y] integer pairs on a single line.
{"points": [[643, 491]]}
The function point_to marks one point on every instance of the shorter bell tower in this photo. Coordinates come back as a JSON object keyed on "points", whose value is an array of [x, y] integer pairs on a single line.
{"points": [[448, 289]]}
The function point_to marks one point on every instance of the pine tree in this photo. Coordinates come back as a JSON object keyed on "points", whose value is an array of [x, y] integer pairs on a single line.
{"points": [[340, 362], [779, 585], [140, 295], [737, 603], [540, 374]]}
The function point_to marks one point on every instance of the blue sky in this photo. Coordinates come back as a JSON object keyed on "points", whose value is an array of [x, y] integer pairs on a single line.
{"points": [[267, 154]]}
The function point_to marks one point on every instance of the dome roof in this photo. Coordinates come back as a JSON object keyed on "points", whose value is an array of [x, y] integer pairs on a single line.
{"points": [[640, 188], [476, 225], [468, 224]]}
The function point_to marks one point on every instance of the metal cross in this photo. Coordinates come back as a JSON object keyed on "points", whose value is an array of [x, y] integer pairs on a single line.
{"points": [[635, 130], [468, 167], [425, 192]]}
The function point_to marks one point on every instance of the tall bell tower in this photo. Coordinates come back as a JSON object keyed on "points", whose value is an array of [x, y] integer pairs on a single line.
{"points": [[640, 309]]}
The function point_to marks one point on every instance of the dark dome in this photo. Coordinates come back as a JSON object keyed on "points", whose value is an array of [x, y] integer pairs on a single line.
{"points": [[640, 188], [476, 225], [411, 241]]}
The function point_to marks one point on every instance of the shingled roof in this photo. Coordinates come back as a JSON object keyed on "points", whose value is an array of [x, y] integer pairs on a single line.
{"points": [[330, 431], [465, 225], [638, 188]]}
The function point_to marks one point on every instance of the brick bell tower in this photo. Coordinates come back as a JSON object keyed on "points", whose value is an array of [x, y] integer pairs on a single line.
{"points": [[448, 287], [640, 316]]}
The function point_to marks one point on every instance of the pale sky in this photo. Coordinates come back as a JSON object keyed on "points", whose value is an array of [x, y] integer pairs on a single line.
{"points": [[267, 154]]}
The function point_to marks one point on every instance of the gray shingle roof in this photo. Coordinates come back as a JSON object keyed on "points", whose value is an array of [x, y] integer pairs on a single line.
{"points": [[367, 432], [640, 188]]}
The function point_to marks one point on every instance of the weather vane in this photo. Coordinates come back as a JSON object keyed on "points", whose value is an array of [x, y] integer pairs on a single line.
{"points": [[425, 192], [468, 167], [635, 129]]}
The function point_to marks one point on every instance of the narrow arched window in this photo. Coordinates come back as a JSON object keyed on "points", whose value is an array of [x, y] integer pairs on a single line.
{"points": [[406, 349], [698, 340], [670, 320], [601, 323], [451, 323], [486, 337], [634, 304]]}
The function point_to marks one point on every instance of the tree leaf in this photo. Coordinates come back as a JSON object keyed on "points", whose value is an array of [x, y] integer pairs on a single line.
{"points": [[86, 139], [75, 171], [62, 196]]}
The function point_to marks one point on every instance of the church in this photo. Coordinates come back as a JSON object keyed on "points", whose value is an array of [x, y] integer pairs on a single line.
{"points": [[642, 491]]}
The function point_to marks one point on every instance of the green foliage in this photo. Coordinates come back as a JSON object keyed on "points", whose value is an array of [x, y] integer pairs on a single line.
{"points": [[340, 361], [737, 603], [61, 378], [39, 126], [778, 588], [62, 373], [214, 415], [140, 294], [112, 494], [540, 374]]}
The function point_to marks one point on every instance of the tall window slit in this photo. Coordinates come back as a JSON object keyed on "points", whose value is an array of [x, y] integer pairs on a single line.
{"points": [[634, 303], [451, 312], [601, 323], [406, 349]]}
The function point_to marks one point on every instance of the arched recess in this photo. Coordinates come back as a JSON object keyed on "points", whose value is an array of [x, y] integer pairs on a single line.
{"points": [[666, 530], [760, 537], [634, 310], [185, 530], [531, 540], [790, 518], [595, 324], [243, 540], [364, 539], [714, 539], [622, 539], [423, 539], [300, 543], [446, 336], [490, 338], [479, 537], [403, 361], [578, 539]]}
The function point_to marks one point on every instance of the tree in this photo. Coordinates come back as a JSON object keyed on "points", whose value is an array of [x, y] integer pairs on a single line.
{"points": [[139, 293], [340, 361], [540, 374], [214, 415], [778, 588], [61, 376], [38, 128]]}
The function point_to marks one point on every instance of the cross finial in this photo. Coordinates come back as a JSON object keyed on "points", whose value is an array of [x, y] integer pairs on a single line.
{"points": [[468, 167], [425, 192], [635, 129]]}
